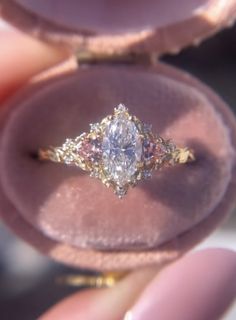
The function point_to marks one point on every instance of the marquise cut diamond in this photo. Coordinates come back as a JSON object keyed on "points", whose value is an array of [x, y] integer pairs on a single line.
{"points": [[121, 149]]}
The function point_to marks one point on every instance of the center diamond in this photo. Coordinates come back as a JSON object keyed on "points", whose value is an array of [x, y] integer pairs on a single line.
{"points": [[121, 148]]}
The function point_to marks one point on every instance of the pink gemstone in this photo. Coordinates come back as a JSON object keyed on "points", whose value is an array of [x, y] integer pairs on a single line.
{"points": [[90, 149], [160, 151]]}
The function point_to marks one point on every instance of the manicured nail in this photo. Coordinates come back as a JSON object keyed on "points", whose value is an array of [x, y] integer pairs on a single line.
{"points": [[201, 286], [102, 304]]}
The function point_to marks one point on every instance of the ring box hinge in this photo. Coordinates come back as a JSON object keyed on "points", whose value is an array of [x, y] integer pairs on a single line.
{"points": [[88, 58]]}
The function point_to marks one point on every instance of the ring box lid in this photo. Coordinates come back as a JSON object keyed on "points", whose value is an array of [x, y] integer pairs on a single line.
{"points": [[115, 27]]}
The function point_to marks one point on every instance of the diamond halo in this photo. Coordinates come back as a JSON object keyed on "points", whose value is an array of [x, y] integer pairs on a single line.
{"points": [[126, 150]]}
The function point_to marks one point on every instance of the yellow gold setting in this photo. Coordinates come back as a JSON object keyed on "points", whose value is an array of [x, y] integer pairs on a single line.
{"points": [[120, 151]]}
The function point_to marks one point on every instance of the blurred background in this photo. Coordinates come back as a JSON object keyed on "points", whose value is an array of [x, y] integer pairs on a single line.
{"points": [[27, 279]]}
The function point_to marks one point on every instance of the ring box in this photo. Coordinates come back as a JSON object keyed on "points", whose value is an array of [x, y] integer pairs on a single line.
{"points": [[114, 49]]}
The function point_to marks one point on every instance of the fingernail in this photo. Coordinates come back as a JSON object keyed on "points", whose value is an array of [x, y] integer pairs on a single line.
{"points": [[200, 286], [103, 304], [128, 316]]}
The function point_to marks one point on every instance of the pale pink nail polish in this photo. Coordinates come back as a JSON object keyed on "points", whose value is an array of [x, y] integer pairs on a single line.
{"points": [[199, 287]]}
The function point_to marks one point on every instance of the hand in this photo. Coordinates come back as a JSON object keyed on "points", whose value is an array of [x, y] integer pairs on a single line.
{"points": [[22, 57], [199, 286]]}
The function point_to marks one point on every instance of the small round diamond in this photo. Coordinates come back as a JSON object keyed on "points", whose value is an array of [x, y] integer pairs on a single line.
{"points": [[149, 148], [121, 108]]}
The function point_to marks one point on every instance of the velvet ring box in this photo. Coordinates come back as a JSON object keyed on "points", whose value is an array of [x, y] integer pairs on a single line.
{"points": [[63, 212]]}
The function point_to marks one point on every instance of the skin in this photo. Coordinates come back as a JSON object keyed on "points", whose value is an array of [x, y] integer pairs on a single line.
{"points": [[199, 286]]}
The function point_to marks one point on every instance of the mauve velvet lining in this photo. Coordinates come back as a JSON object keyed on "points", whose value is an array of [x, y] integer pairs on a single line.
{"points": [[68, 206], [114, 16]]}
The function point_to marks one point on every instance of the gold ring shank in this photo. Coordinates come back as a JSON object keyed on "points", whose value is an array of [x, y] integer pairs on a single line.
{"points": [[104, 280], [57, 154], [183, 155], [50, 154]]}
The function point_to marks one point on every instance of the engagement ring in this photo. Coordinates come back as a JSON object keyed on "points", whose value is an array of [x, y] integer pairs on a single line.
{"points": [[120, 151]]}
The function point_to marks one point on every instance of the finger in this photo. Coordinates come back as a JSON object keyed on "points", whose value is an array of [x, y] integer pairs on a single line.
{"points": [[199, 287], [21, 57], [102, 304]]}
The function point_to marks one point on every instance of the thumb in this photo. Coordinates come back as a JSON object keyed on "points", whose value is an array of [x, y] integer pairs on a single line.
{"points": [[21, 57]]}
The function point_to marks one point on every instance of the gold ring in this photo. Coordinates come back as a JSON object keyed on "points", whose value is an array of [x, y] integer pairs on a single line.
{"points": [[120, 151]]}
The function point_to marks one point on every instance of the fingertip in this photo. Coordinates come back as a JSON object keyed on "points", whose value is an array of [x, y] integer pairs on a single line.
{"points": [[201, 286], [22, 57]]}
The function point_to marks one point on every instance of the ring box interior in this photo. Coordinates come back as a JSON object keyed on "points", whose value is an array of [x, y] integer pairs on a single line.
{"points": [[62, 211]]}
